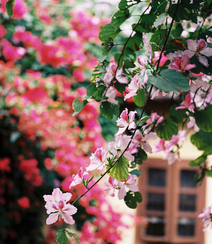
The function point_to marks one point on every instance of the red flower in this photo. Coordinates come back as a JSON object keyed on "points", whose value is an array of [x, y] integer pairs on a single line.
{"points": [[24, 202]]}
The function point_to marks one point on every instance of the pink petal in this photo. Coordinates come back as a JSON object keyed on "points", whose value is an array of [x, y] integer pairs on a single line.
{"points": [[192, 45], [122, 193], [67, 218], [52, 218], [207, 51], [203, 60], [189, 53], [70, 209], [189, 66], [57, 194]]}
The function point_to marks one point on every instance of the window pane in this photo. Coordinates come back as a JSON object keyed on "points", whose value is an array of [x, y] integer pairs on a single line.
{"points": [[187, 178], [186, 227], [187, 203], [157, 177], [155, 201], [155, 226]]}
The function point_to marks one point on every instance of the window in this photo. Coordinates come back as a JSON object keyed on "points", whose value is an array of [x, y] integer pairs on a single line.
{"points": [[171, 202]]}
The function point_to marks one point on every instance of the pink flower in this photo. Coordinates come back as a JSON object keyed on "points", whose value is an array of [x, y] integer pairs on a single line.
{"points": [[171, 157], [135, 84], [77, 179], [114, 73], [120, 144], [111, 94], [186, 104], [126, 121], [177, 138], [200, 49], [57, 206], [98, 159], [192, 124], [147, 46], [143, 141], [154, 120], [24, 202], [161, 146], [163, 58], [181, 64], [110, 186], [129, 184], [206, 217]]}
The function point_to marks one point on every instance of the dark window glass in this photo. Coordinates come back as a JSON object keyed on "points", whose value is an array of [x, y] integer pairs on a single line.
{"points": [[187, 178], [155, 201], [186, 227], [157, 177], [155, 226], [187, 203]]}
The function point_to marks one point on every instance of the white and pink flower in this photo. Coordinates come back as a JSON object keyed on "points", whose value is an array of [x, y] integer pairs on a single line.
{"points": [[98, 159], [200, 49], [126, 121], [57, 207]]}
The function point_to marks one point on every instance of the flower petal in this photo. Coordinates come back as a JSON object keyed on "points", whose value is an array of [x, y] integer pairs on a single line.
{"points": [[207, 52], [203, 60], [67, 218], [52, 218], [192, 45]]}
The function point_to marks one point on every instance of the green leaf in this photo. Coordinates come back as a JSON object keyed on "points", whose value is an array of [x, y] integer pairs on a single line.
{"points": [[198, 141], [86, 182], [170, 80], [91, 89], [129, 54], [140, 98], [119, 58], [138, 196], [108, 32], [119, 17], [166, 129], [9, 7], [78, 104], [207, 137], [208, 151], [107, 46], [204, 119], [61, 237], [140, 156], [135, 172], [135, 42], [95, 92], [120, 169], [176, 79], [109, 109], [147, 22], [125, 4], [208, 173], [197, 161], [157, 39], [177, 115], [132, 198], [160, 20], [73, 235]]}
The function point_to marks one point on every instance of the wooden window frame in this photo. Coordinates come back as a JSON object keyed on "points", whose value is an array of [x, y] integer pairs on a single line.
{"points": [[171, 212]]}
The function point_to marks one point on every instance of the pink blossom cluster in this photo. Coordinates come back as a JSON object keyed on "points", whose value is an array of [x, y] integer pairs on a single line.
{"points": [[171, 148]]}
